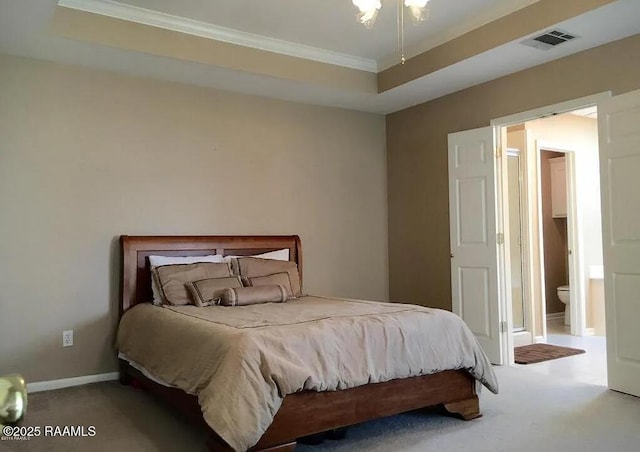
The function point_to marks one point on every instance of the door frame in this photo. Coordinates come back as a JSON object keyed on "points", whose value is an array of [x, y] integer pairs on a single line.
{"points": [[500, 124], [574, 242], [525, 258], [504, 261]]}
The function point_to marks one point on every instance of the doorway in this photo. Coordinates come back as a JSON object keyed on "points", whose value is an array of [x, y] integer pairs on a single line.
{"points": [[555, 235], [478, 212]]}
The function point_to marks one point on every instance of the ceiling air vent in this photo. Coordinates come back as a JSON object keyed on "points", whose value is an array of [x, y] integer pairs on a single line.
{"points": [[549, 39]]}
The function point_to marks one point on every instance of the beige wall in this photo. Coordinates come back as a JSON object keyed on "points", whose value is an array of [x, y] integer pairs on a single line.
{"points": [[87, 155], [419, 263]]}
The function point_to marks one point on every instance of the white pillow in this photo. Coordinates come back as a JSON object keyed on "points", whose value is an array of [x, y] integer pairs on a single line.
{"points": [[156, 261], [278, 255]]}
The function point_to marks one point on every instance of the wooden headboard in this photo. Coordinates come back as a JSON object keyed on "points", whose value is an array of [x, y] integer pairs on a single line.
{"points": [[136, 276]]}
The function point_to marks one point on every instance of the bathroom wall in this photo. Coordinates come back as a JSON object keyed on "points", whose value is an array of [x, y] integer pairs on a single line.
{"points": [[554, 232]]}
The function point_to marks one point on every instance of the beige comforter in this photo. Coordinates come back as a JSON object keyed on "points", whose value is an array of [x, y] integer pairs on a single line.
{"points": [[241, 361]]}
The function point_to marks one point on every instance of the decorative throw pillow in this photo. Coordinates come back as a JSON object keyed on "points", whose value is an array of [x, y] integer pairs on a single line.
{"points": [[278, 279], [244, 296], [172, 279], [207, 292], [156, 261], [251, 267], [278, 255]]}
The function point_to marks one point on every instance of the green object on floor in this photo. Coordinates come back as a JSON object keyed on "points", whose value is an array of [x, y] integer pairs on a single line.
{"points": [[13, 399]]}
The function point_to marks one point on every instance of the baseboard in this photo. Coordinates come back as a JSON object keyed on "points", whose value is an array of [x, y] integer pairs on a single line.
{"points": [[589, 331], [522, 338], [538, 339], [68, 382], [555, 316]]}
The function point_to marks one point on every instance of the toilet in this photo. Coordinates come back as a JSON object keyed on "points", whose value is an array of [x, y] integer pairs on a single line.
{"points": [[564, 296]]}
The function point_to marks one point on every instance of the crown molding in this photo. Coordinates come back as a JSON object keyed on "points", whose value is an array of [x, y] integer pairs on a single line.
{"points": [[144, 16]]}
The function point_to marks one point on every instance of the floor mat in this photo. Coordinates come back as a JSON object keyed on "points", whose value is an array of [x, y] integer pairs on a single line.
{"points": [[536, 353]]}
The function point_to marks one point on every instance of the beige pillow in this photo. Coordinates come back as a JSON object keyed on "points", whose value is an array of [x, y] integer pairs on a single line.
{"points": [[172, 279], [244, 296], [207, 292], [278, 279], [251, 267]]}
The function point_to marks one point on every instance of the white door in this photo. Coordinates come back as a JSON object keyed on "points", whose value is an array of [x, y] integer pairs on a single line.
{"points": [[619, 131], [474, 252]]}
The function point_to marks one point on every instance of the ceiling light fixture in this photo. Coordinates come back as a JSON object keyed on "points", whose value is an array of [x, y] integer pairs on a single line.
{"points": [[369, 10]]}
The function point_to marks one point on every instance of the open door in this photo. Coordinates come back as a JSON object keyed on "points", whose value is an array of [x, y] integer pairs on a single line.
{"points": [[619, 131], [474, 241]]}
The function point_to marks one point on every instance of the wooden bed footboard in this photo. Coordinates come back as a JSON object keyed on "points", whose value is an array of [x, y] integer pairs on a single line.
{"points": [[308, 412]]}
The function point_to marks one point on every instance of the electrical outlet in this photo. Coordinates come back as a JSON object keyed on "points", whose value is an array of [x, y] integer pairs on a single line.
{"points": [[67, 338]]}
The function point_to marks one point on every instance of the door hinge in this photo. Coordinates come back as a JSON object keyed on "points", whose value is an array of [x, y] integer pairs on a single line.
{"points": [[500, 238], [503, 326], [498, 152]]}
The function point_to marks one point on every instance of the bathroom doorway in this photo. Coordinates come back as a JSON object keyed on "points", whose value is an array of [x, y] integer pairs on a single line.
{"points": [[487, 303], [485, 213], [554, 227], [556, 262]]}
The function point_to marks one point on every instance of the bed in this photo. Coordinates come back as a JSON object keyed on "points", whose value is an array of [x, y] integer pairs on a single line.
{"points": [[304, 412]]}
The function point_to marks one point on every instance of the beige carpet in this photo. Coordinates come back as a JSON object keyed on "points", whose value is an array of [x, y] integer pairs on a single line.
{"points": [[533, 412], [125, 419]]}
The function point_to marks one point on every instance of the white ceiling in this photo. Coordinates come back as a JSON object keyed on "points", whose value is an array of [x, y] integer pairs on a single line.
{"points": [[332, 25], [24, 30]]}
